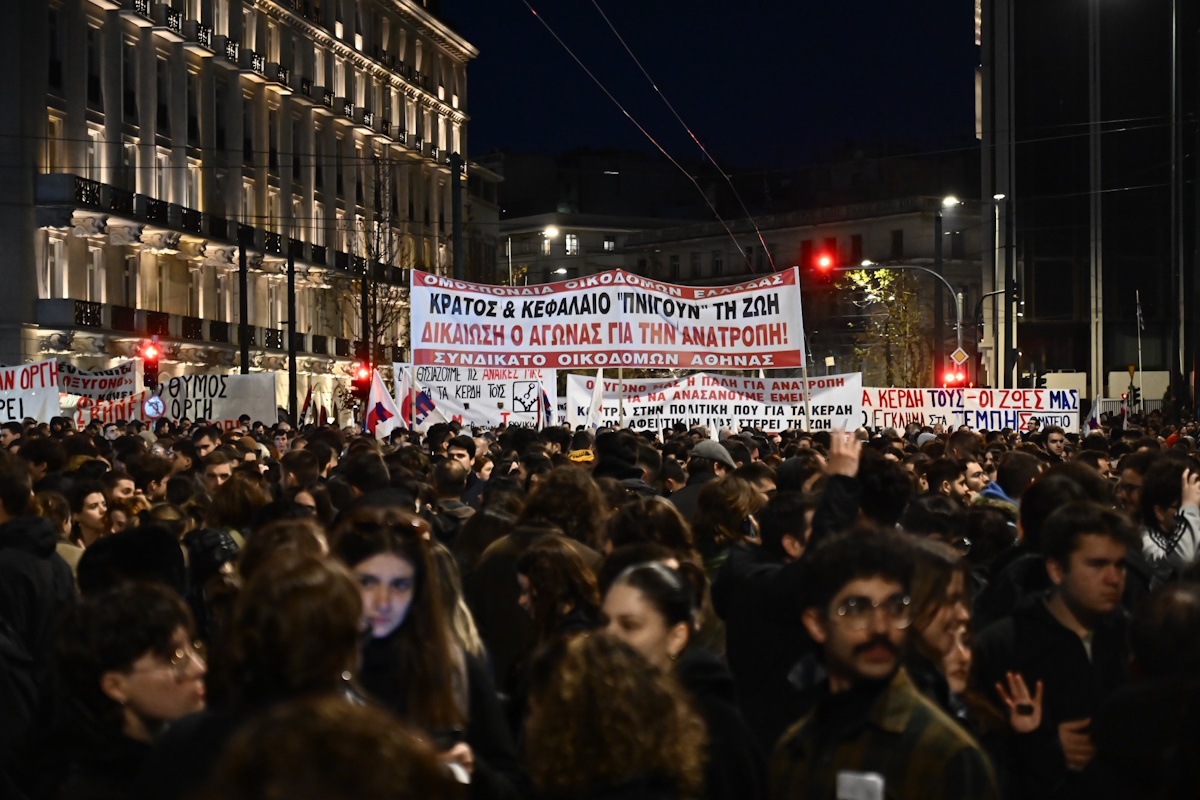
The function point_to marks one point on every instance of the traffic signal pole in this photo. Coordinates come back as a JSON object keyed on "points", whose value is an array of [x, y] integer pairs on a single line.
{"points": [[867, 267]]}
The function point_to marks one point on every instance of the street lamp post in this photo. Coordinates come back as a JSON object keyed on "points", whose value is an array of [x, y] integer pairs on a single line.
{"points": [[870, 266], [547, 233], [939, 354]]}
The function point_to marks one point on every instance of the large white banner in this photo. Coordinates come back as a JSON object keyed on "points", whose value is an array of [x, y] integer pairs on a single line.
{"points": [[218, 399], [978, 409], [115, 383], [721, 401], [608, 320], [29, 391], [483, 397]]}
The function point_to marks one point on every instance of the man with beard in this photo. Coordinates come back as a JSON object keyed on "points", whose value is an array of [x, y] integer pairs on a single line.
{"points": [[872, 733]]}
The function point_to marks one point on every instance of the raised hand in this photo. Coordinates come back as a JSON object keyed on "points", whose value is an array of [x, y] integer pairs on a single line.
{"points": [[845, 449], [1190, 495], [1024, 712]]}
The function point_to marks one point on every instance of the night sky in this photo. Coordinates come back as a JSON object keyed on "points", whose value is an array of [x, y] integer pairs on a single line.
{"points": [[759, 81]]}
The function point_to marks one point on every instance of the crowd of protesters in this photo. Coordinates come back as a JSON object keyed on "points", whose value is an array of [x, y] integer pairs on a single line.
{"points": [[190, 612]]}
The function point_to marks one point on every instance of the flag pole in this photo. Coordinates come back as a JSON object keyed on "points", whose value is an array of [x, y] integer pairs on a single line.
{"points": [[621, 396], [1141, 388]]}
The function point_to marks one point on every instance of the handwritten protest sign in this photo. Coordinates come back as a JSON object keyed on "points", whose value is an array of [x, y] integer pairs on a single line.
{"points": [[484, 397], [115, 383], [219, 399], [607, 320], [978, 409], [723, 401], [30, 390]]}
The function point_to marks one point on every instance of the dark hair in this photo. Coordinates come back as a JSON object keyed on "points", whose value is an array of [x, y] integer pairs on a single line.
{"points": [[1070, 523], [1165, 631], [295, 628], [365, 472], [668, 590], [1016, 471], [794, 472], [290, 539], [858, 554], [302, 464], [943, 470], [108, 632], [783, 515], [147, 553], [477, 534], [427, 659], [570, 499], [558, 577], [886, 489], [963, 444], [149, 469], [1040, 500], [80, 491], [1162, 485], [462, 443], [329, 746], [15, 490], [935, 515], [450, 478], [650, 519], [43, 450], [721, 508], [235, 502]]}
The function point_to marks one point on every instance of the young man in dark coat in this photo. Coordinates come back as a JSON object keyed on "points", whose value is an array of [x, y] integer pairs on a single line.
{"points": [[1071, 639], [871, 733]]}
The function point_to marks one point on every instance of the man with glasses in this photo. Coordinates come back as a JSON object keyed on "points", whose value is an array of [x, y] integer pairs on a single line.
{"points": [[872, 734]]}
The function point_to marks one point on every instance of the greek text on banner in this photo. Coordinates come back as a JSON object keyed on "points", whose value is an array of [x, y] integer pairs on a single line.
{"points": [[29, 391], [723, 401], [612, 319], [978, 409]]}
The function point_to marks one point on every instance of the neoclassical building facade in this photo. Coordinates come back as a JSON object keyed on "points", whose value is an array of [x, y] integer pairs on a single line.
{"points": [[145, 143]]}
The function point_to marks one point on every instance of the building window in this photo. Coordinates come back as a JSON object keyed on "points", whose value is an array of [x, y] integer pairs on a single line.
{"points": [[831, 248], [610, 244], [95, 154], [93, 288], [194, 309], [54, 145], [545, 245], [695, 265], [897, 245], [129, 161], [160, 285], [718, 262], [95, 92], [247, 202], [54, 268], [673, 267], [193, 109], [193, 184], [164, 97], [572, 243], [272, 210], [856, 249], [318, 234], [129, 281]]}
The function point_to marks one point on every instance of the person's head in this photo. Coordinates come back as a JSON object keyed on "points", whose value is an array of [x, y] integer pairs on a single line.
{"points": [[886, 489], [15, 488], [650, 607], [315, 498], [10, 432], [298, 468], [785, 525], [1016, 471], [937, 516], [761, 476], [42, 456], [236, 502], [365, 472], [450, 479], [206, 439], [569, 498], [295, 628], [948, 476], [1047, 494], [89, 510], [388, 551], [150, 474], [291, 539], [1130, 478], [329, 746], [724, 515], [939, 597], [856, 604], [1085, 545], [964, 445], [602, 716], [1055, 439], [649, 519], [1162, 491], [119, 485], [127, 657], [462, 450], [976, 476], [483, 466], [1165, 632], [54, 507], [218, 468], [554, 581]]}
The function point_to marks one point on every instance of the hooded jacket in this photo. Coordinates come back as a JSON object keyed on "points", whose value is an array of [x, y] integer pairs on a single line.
{"points": [[34, 582]]}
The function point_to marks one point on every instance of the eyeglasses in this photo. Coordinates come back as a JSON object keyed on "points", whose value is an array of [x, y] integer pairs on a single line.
{"points": [[180, 661], [857, 613]]}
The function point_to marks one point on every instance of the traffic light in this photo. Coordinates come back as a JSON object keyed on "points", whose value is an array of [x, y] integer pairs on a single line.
{"points": [[150, 353], [1040, 383], [954, 379], [1136, 395], [360, 381]]}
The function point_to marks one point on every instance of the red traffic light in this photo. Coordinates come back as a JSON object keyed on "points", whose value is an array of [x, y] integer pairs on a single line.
{"points": [[150, 351], [362, 372], [824, 262], [953, 379]]}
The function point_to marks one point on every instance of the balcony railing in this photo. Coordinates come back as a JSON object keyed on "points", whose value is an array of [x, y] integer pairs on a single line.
{"points": [[341, 260], [158, 323], [193, 329], [87, 192], [306, 87], [156, 210], [218, 332], [89, 314], [143, 7], [124, 319], [273, 338], [320, 345], [232, 50], [191, 220], [273, 242], [342, 347], [120, 201], [175, 21], [318, 254]]}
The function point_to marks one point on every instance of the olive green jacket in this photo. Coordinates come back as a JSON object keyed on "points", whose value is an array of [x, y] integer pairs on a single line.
{"points": [[921, 753]]}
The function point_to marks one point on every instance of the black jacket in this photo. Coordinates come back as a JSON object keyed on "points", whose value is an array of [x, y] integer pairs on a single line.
{"points": [[34, 583], [1033, 643], [735, 769], [496, 773], [685, 499], [761, 649]]}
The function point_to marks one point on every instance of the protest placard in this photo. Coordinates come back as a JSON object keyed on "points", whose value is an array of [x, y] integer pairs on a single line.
{"points": [[29, 391], [721, 401], [978, 409], [483, 397], [219, 399], [611, 319], [115, 383]]}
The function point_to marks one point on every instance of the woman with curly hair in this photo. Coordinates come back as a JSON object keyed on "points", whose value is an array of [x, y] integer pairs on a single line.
{"points": [[606, 723], [411, 661], [558, 589], [653, 608], [569, 498]]}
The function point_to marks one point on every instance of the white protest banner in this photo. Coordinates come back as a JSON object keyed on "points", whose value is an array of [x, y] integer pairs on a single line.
{"points": [[978, 409], [115, 383], [30, 390], [721, 401], [219, 399], [610, 319], [485, 397]]}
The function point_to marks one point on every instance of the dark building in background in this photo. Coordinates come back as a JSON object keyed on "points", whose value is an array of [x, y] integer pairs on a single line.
{"points": [[1089, 145]]}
